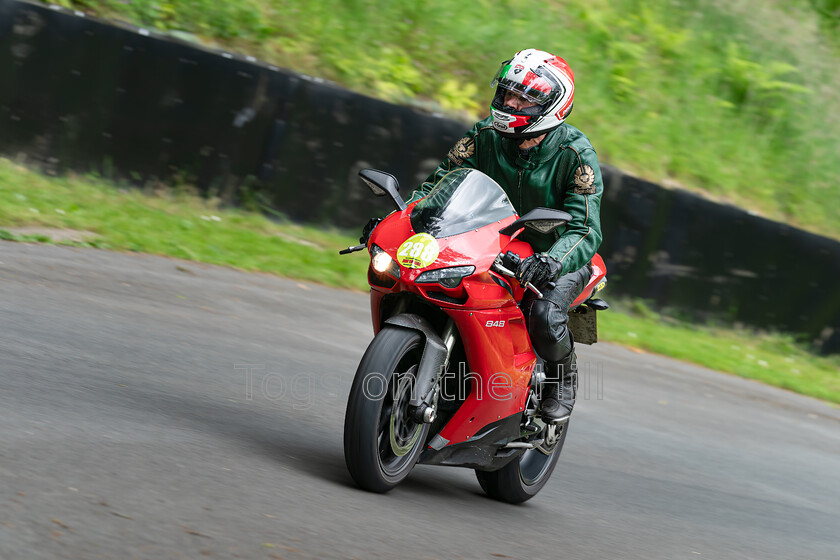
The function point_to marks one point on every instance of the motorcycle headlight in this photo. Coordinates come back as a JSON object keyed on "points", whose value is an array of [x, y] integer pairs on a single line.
{"points": [[446, 277], [382, 263]]}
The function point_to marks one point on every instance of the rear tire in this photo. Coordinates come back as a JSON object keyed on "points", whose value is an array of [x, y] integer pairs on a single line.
{"points": [[381, 442], [521, 479]]}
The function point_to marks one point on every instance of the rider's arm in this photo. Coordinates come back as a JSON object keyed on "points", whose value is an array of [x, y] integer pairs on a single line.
{"points": [[583, 186], [462, 154]]}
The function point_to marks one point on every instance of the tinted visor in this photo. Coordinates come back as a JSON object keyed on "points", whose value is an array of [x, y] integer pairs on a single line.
{"points": [[526, 83]]}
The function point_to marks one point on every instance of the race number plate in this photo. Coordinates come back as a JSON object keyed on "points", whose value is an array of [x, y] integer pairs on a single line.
{"points": [[418, 251]]}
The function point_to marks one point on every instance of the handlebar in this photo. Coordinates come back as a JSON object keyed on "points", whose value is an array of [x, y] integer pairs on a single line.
{"points": [[513, 260], [351, 249]]}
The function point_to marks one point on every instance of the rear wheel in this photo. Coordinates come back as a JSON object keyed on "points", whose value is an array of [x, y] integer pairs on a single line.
{"points": [[381, 441], [522, 478]]}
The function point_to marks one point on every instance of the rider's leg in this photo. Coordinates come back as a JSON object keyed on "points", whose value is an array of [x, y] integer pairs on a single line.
{"points": [[547, 326]]}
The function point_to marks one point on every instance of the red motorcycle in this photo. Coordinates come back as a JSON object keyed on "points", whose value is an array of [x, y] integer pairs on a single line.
{"points": [[451, 377]]}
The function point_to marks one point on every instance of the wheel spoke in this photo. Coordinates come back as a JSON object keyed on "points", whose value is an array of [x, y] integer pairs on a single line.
{"points": [[384, 418]]}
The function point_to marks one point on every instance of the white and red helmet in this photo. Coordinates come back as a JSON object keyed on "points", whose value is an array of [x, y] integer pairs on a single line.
{"points": [[541, 78]]}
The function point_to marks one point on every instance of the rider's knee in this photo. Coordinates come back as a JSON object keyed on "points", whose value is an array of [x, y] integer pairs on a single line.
{"points": [[548, 331]]}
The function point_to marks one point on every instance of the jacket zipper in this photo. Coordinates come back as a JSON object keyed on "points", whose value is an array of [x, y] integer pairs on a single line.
{"points": [[519, 188]]}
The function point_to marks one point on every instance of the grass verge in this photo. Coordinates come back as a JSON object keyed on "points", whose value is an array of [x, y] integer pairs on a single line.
{"points": [[173, 222], [772, 358], [177, 223]]}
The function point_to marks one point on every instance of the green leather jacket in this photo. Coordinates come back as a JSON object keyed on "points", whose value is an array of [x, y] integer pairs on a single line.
{"points": [[561, 172]]}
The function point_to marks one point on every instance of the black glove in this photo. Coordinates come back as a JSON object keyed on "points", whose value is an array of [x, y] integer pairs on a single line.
{"points": [[368, 229], [538, 270]]}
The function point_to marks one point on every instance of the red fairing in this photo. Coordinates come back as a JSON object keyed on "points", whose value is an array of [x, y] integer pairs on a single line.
{"points": [[478, 248], [599, 272], [499, 383]]}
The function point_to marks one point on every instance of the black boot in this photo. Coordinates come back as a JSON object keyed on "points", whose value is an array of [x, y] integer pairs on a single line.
{"points": [[558, 390]]}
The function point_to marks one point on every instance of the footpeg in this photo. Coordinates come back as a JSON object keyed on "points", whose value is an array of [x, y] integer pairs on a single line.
{"points": [[524, 444], [533, 428]]}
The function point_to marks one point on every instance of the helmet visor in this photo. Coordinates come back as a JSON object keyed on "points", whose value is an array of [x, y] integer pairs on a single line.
{"points": [[525, 83]]}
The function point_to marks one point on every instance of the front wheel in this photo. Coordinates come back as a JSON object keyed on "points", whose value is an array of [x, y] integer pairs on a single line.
{"points": [[381, 441], [522, 478]]}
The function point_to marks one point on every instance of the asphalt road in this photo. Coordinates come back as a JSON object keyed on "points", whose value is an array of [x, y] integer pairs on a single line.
{"points": [[130, 428]]}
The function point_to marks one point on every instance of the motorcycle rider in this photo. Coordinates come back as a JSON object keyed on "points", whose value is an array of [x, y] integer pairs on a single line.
{"points": [[540, 161]]}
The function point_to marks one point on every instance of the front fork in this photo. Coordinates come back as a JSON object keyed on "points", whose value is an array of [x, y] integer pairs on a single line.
{"points": [[426, 411], [450, 336], [437, 350]]}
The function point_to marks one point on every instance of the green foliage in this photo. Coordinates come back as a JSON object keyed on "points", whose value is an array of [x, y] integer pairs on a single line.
{"points": [[222, 20], [456, 96], [760, 87], [828, 9], [390, 75], [639, 308]]}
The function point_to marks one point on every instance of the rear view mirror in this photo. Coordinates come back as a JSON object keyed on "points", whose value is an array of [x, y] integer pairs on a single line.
{"points": [[382, 184]]}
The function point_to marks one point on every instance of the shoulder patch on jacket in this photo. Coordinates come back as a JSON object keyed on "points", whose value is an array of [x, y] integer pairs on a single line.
{"points": [[585, 180], [464, 148]]}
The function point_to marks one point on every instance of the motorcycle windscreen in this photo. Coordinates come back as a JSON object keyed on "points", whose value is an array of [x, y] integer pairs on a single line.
{"points": [[463, 200]]}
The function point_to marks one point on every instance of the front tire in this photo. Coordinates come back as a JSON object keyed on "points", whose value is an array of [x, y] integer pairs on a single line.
{"points": [[521, 479], [381, 442]]}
